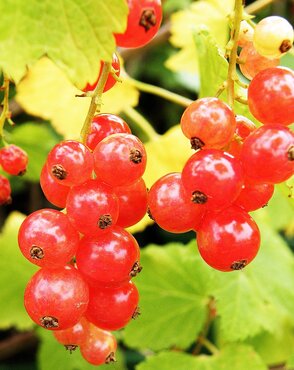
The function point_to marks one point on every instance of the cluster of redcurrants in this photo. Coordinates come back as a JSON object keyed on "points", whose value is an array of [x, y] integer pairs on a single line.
{"points": [[263, 46], [86, 256], [13, 161], [232, 172]]}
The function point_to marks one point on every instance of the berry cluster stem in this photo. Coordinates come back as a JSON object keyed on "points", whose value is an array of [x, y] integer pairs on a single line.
{"points": [[257, 5], [232, 51], [5, 114], [96, 101]]}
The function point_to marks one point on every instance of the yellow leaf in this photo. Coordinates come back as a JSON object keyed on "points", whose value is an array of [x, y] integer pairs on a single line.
{"points": [[213, 14], [47, 93]]}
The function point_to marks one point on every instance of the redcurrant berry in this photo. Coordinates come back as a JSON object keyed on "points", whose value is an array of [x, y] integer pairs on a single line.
{"points": [[13, 160]]}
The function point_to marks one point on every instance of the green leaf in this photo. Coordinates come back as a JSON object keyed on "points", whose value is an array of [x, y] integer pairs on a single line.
{"points": [[237, 357], [37, 139], [52, 355], [290, 363], [261, 297], [75, 34], [15, 272], [174, 296]]}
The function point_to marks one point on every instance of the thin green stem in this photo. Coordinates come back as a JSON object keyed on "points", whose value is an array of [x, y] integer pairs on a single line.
{"points": [[5, 114], [257, 6], [232, 74], [163, 93], [141, 123], [210, 346], [96, 101]]}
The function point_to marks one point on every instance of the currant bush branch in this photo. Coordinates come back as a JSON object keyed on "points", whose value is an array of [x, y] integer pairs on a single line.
{"points": [[141, 123], [96, 101]]}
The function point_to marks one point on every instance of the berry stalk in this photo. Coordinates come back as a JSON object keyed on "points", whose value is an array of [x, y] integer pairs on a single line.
{"points": [[95, 105], [5, 114]]}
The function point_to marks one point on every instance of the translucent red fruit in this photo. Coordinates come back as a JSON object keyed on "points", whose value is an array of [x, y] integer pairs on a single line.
{"points": [[5, 190], [103, 125], [171, 207], [92, 207], [254, 196], [56, 300], [244, 127], [212, 178], [74, 336], [271, 96], [112, 308], [120, 159], [13, 160], [99, 347], [108, 258], [70, 163], [47, 238], [132, 201], [208, 123], [143, 22], [228, 240], [55, 192], [110, 82], [267, 154]]}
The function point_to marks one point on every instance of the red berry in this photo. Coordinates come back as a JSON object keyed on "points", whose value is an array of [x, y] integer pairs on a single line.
{"points": [[244, 127], [267, 154], [170, 205], [110, 82], [99, 347], [70, 163], [254, 196], [13, 160], [92, 207], [47, 238], [5, 191], [112, 308], [132, 201], [108, 258], [271, 96], [213, 178], [55, 192], [74, 336], [143, 22], [208, 123], [119, 159], [228, 240], [56, 299], [104, 125]]}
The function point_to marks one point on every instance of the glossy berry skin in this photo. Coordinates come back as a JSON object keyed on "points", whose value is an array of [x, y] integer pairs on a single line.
{"points": [[271, 96], [112, 308], [103, 125], [254, 196], [143, 22], [5, 191], [70, 163], [132, 201], [99, 347], [73, 336], [170, 205], [267, 154], [110, 82], [119, 159], [228, 240], [213, 178], [92, 207], [273, 37], [55, 192], [13, 160], [108, 258], [244, 127], [47, 238], [253, 63], [56, 300], [208, 123]]}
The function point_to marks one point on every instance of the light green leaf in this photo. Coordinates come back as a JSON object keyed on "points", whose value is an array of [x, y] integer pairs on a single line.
{"points": [[75, 34], [52, 355], [261, 297], [37, 139], [237, 357], [290, 363], [15, 272], [174, 295]]}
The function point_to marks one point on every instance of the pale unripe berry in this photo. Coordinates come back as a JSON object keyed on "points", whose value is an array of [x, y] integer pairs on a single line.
{"points": [[245, 34], [273, 37]]}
